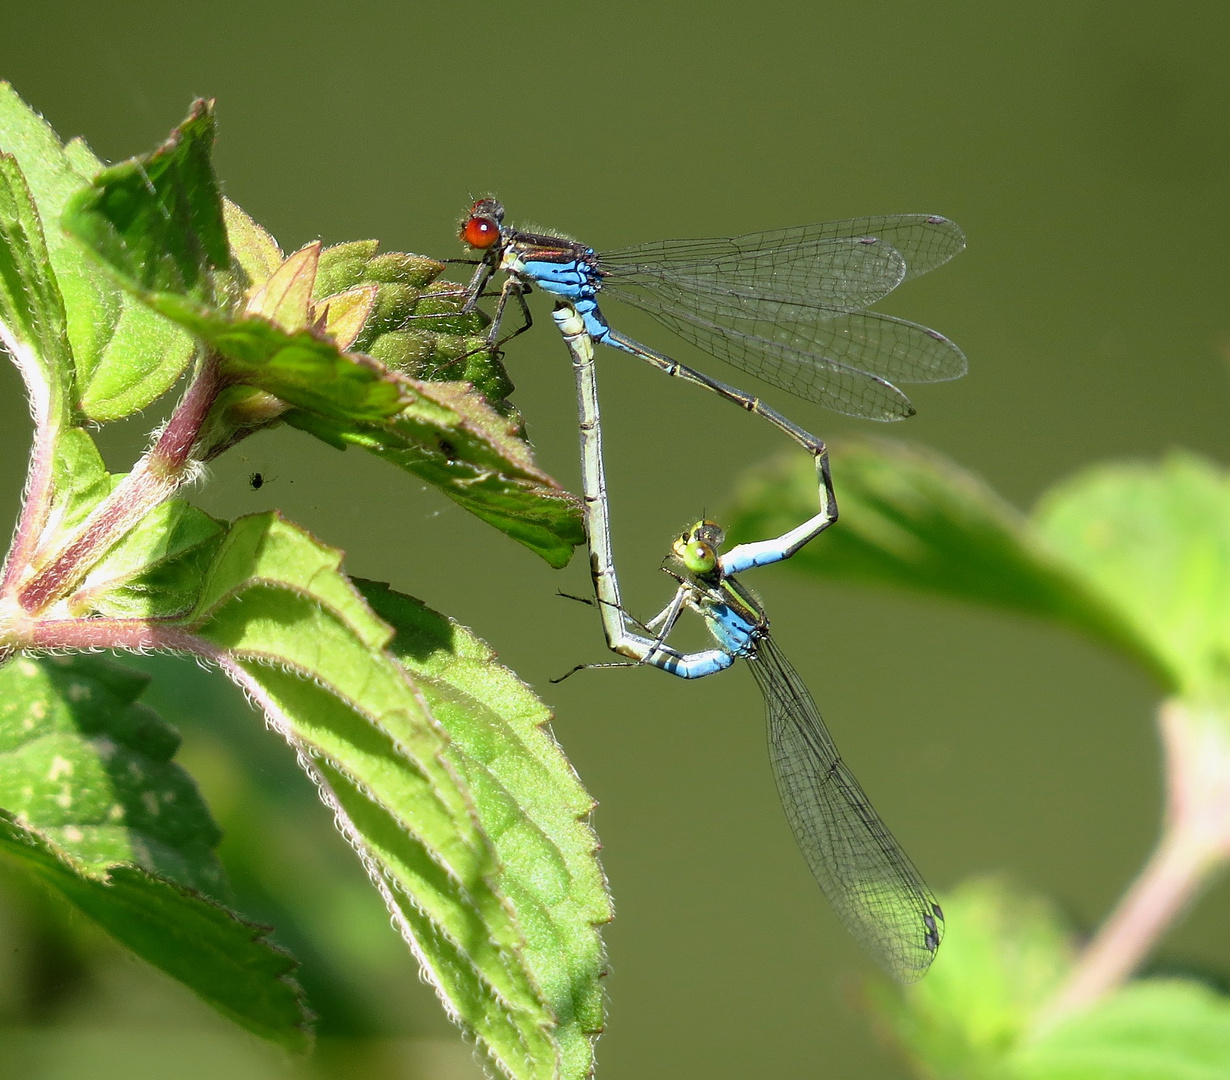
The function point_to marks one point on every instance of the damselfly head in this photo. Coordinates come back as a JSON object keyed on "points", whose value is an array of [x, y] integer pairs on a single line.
{"points": [[697, 548], [481, 227]]}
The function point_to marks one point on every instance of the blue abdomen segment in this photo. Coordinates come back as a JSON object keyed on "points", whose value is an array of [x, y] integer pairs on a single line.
{"points": [[734, 633], [571, 280], [749, 556], [694, 665]]}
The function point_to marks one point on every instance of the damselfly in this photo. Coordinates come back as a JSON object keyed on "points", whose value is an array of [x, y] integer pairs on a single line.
{"points": [[857, 862], [786, 305], [597, 510], [861, 868]]}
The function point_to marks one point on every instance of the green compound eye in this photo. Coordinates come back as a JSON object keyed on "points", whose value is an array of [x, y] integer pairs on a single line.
{"points": [[698, 557]]}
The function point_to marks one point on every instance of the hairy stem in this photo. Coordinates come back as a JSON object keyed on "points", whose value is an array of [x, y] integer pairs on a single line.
{"points": [[36, 499], [1194, 845], [133, 635], [155, 478]]}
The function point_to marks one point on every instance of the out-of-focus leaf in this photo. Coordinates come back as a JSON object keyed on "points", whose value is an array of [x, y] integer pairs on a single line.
{"points": [[1155, 540], [1150, 1029], [95, 806], [910, 518], [224, 959], [1004, 954], [312, 655], [529, 802]]}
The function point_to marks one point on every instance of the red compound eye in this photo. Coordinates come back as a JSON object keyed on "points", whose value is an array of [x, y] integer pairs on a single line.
{"points": [[480, 232]]}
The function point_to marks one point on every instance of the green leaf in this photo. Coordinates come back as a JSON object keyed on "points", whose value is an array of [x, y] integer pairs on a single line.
{"points": [[156, 220], [91, 769], [224, 959], [141, 361], [253, 248], [80, 480], [1155, 540], [302, 368], [295, 634], [158, 223], [94, 806], [474, 450], [1149, 1029], [1003, 956], [910, 518], [92, 303], [33, 325], [417, 326], [451, 439], [156, 570], [529, 802], [125, 354]]}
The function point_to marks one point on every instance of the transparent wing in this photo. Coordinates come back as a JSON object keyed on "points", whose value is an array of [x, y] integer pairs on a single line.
{"points": [[924, 241], [828, 275], [866, 341], [868, 879], [836, 363], [787, 306]]}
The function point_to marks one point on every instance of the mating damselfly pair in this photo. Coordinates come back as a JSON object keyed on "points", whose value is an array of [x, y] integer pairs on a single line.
{"points": [[789, 306]]}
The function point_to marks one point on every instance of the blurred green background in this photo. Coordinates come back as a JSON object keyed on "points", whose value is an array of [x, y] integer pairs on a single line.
{"points": [[1084, 147]]}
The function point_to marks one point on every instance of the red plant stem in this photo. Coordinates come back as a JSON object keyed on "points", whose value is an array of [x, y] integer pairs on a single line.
{"points": [[171, 452], [35, 506], [36, 498], [1170, 879], [133, 635], [154, 479], [137, 494], [1195, 843]]}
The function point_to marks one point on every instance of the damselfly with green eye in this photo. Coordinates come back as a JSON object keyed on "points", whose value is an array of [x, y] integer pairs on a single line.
{"points": [[867, 877], [859, 865]]}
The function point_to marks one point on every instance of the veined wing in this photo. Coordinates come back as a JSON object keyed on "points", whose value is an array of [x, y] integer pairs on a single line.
{"points": [[826, 274], [837, 365], [924, 241], [868, 879], [866, 341]]}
